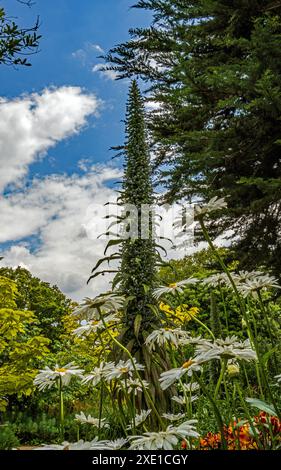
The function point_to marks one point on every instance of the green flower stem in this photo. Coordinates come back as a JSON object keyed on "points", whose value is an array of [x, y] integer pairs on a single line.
{"points": [[246, 377], [216, 410], [257, 366], [243, 311], [134, 412], [147, 395], [224, 308], [130, 404], [226, 389], [121, 417], [222, 372], [174, 362], [61, 410], [247, 413], [186, 399], [204, 326], [126, 398], [193, 317], [265, 314], [100, 407]]}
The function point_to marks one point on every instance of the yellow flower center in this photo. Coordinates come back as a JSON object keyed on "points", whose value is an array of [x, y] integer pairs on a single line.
{"points": [[187, 364], [124, 370], [61, 370], [173, 285]]}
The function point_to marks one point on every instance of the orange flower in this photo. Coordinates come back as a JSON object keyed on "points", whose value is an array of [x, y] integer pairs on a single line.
{"points": [[265, 419], [211, 441]]}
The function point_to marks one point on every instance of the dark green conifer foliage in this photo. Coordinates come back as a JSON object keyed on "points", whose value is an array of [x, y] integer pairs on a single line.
{"points": [[215, 68]]}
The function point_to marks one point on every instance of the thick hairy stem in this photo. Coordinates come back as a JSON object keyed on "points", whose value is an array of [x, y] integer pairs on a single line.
{"points": [[146, 393]]}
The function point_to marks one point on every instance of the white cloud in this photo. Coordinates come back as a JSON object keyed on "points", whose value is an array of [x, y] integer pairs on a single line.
{"points": [[32, 124], [107, 74], [97, 48], [50, 225], [151, 105], [56, 210], [60, 212], [86, 53]]}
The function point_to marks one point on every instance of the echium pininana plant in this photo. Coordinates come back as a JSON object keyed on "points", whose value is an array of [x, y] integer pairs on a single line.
{"points": [[136, 277], [137, 270]]}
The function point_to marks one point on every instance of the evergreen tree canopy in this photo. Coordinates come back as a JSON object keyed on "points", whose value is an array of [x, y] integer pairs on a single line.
{"points": [[214, 68]]}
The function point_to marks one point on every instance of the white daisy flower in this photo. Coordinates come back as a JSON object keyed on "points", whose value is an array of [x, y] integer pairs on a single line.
{"points": [[216, 280], [48, 377], [98, 373], [189, 340], [228, 348], [184, 400], [85, 330], [214, 204], [256, 284], [166, 440], [99, 445], [95, 325], [90, 309], [80, 445], [139, 419], [243, 276], [169, 377], [123, 368], [117, 444], [187, 397], [83, 419], [172, 417], [165, 336], [174, 287], [107, 445], [133, 385], [191, 387]]}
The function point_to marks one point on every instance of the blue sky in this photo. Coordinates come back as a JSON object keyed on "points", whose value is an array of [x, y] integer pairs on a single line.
{"points": [[58, 120], [69, 27]]}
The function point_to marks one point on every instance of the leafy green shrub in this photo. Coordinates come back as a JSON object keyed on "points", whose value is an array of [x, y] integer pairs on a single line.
{"points": [[36, 430], [8, 439]]}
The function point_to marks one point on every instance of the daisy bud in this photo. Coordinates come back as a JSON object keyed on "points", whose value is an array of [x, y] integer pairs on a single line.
{"points": [[233, 370]]}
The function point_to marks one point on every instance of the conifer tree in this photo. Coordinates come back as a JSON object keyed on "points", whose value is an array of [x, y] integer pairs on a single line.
{"points": [[214, 66]]}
